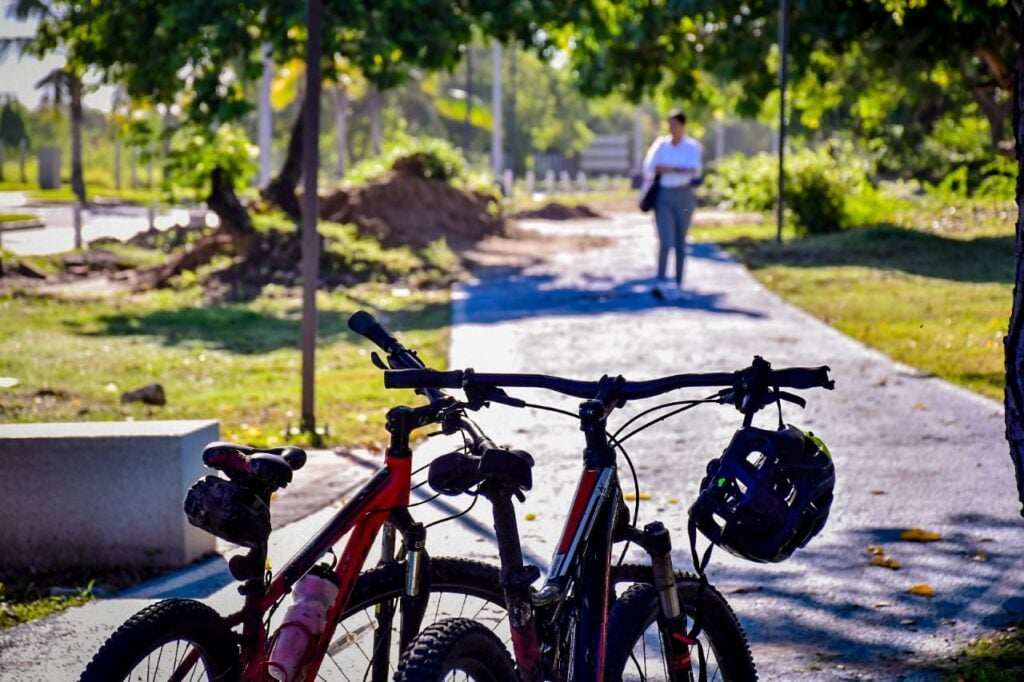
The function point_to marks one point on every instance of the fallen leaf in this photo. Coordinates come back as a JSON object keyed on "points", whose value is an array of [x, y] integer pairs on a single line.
{"points": [[908, 621], [883, 604], [879, 492], [886, 562], [986, 539], [673, 500], [918, 406], [922, 590], [918, 535], [876, 550], [633, 496], [981, 555], [530, 516]]}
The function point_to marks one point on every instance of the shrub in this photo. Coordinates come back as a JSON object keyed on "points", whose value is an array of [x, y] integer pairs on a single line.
{"points": [[425, 157], [827, 189]]}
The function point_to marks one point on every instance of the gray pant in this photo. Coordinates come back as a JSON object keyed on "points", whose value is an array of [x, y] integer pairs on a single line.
{"points": [[673, 210]]}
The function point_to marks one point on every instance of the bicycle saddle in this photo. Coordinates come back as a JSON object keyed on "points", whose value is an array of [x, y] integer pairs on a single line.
{"points": [[456, 472], [271, 468]]}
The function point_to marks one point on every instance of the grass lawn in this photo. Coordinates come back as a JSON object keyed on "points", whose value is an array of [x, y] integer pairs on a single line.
{"points": [[238, 363], [932, 290], [15, 217]]}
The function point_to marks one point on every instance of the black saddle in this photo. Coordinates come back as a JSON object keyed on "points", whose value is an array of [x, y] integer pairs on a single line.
{"points": [[270, 469]]}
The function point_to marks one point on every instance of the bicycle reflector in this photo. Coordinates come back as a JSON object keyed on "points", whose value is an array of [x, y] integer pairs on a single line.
{"points": [[228, 510], [767, 495]]}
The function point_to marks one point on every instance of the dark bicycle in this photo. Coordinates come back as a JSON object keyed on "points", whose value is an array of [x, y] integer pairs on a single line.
{"points": [[767, 495]]}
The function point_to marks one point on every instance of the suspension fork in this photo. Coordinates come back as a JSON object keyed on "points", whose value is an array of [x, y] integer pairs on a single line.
{"points": [[655, 539], [515, 580]]}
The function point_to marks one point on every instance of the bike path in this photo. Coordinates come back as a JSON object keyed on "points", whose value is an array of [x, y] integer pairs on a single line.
{"points": [[910, 451]]}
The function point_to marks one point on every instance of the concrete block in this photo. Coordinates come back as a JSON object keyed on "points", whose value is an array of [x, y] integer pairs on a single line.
{"points": [[101, 493]]}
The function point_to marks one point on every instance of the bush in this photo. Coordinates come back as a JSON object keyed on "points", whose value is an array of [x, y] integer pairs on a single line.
{"points": [[827, 189], [426, 157]]}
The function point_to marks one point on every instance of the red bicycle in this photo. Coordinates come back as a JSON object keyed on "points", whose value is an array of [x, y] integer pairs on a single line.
{"points": [[372, 615]]}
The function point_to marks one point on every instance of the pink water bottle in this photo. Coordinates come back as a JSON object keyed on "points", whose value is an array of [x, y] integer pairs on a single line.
{"points": [[304, 622]]}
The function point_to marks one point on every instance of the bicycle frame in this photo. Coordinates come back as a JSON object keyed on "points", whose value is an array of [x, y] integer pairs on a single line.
{"points": [[384, 497]]}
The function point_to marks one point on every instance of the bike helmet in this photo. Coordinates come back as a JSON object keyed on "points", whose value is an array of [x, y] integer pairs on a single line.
{"points": [[768, 494]]}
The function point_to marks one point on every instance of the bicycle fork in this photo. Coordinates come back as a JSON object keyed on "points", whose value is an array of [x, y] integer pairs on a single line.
{"points": [[655, 539]]}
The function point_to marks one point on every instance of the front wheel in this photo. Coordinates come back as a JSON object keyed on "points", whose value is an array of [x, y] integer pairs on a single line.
{"points": [[175, 639], [635, 649], [456, 649]]}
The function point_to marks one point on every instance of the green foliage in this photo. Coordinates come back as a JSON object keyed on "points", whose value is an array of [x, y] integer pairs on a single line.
{"points": [[196, 152], [430, 158], [999, 180], [827, 188], [12, 126]]}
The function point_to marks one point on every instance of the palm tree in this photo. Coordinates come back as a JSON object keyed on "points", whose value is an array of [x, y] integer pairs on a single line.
{"points": [[61, 84]]}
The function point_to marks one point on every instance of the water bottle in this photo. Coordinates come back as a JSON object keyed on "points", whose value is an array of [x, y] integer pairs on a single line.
{"points": [[304, 622]]}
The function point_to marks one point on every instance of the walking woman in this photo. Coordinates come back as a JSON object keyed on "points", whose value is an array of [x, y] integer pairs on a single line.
{"points": [[676, 160]]}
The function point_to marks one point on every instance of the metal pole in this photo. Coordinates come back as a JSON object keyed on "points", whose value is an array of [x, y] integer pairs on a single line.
{"points": [[265, 132], [310, 243], [467, 133], [513, 141], [497, 162], [783, 47]]}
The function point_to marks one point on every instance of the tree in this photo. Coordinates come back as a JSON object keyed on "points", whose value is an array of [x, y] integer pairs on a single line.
{"points": [[1014, 341], [54, 35]]}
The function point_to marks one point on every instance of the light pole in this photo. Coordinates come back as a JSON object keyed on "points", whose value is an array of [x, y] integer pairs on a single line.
{"points": [[310, 244], [783, 46]]}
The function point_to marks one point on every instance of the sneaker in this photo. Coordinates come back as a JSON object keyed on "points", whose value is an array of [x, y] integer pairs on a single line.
{"points": [[672, 292]]}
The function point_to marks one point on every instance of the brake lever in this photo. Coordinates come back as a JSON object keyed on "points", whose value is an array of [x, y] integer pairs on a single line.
{"points": [[377, 362], [791, 398]]}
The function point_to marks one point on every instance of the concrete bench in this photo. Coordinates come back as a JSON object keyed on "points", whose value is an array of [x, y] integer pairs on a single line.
{"points": [[100, 493]]}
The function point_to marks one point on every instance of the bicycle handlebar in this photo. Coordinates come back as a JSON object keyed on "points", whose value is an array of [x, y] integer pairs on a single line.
{"points": [[792, 377], [365, 324]]}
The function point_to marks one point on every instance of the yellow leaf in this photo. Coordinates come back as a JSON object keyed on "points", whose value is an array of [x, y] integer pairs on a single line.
{"points": [[981, 555], [530, 516], [673, 500], [885, 562], [633, 496], [918, 535], [922, 590], [876, 550]]}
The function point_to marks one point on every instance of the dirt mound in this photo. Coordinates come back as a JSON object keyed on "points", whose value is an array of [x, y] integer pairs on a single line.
{"points": [[556, 211], [407, 210]]}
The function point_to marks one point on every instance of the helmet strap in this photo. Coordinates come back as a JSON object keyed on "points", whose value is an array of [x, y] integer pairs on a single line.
{"points": [[699, 566], [778, 402]]}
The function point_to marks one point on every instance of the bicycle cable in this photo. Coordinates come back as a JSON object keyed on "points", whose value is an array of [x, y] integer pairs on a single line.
{"points": [[636, 489], [687, 405], [455, 516]]}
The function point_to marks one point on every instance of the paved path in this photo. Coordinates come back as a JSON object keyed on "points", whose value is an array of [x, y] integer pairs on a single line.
{"points": [[911, 451], [58, 235]]}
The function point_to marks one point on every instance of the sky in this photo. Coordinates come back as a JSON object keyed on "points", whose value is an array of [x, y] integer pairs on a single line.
{"points": [[18, 75]]}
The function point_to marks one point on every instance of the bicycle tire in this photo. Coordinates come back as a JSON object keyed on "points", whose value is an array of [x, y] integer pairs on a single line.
{"points": [[458, 588], [158, 626], [453, 646], [633, 644]]}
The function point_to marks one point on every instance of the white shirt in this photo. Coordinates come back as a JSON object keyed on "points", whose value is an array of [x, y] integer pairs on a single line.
{"points": [[686, 154]]}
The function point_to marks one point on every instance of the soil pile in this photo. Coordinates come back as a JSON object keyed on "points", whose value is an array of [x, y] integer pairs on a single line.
{"points": [[403, 209], [556, 211]]}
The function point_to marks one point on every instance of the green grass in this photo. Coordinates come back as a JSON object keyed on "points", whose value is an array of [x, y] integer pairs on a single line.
{"points": [[998, 657], [15, 217], [30, 605], [933, 292], [238, 363]]}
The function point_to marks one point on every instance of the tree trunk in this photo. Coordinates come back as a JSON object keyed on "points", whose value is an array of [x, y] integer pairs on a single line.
{"points": [[1014, 341], [375, 131], [995, 112], [77, 181], [234, 218], [281, 190], [341, 129]]}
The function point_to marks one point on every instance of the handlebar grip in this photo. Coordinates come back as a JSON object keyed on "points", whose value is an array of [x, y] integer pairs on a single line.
{"points": [[362, 322], [803, 377], [422, 378]]}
